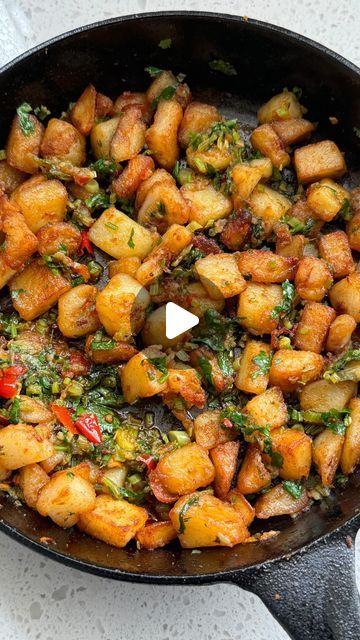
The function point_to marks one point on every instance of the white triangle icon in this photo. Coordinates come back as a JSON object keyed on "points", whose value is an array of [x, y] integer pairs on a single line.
{"points": [[178, 320]]}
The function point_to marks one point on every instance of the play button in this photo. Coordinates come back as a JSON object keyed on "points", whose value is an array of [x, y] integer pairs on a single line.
{"points": [[178, 320]]}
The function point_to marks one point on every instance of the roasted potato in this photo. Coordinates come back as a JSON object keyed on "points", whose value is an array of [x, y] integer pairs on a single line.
{"points": [[185, 469], [161, 137], [101, 137], [345, 296], [121, 306], [23, 146], [266, 266], [198, 117], [244, 179], [120, 236], [22, 444], [155, 535], [340, 333], [77, 314], [326, 451], [140, 378], [241, 505], [313, 327], [129, 135], [10, 178], [326, 198], [334, 248], [295, 449], [41, 201], [83, 112], [323, 395], [127, 265], [32, 478], [61, 140], [292, 247], [34, 411], [266, 140], [113, 521], [224, 458], [290, 369], [136, 171], [206, 204], [350, 456], [293, 130], [278, 502], [163, 205], [187, 384], [154, 330], [268, 205], [319, 160], [268, 409], [313, 279], [250, 377], [253, 475], [174, 240], [282, 106], [220, 275], [256, 306], [58, 236], [209, 431]]}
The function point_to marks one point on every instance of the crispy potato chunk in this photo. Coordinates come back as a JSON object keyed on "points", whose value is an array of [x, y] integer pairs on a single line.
{"points": [[256, 304], [32, 478], [57, 237], [241, 505], [244, 179], [345, 296], [101, 137], [120, 236], [340, 332], [224, 458], [185, 469], [22, 444], [140, 378], [293, 131], [36, 289], [200, 301], [326, 451], [269, 205], [77, 313], [162, 81], [350, 456], [186, 383], [313, 327], [250, 378], [41, 201], [205, 202], [154, 330], [19, 244], [220, 275], [61, 140], [198, 117], [268, 408], [136, 171], [278, 502], [289, 368], [208, 430], [326, 198], [282, 106], [115, 522], [34, 411], [174, 240], [130, 99], [127, 265], [163, 205], [319, 160], [129, 136], [323, 395], [155, 535], [237, 230], [82, 114], [352, 230], [10, 178], [292, 247], [253, 475], [121, 306], [121, 352], [159, 176], [266, 266], [22, 148], [335, 250], [161, 137], [295, 448], [201, 520], [266, 140], [313, 279]]}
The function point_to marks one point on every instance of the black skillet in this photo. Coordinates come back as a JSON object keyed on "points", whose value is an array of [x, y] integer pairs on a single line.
{"points": [[305, 576]]}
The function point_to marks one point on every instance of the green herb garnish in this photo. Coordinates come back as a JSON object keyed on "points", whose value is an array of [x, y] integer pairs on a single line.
{"points": [[183, 511], [263, 363], [131, 243], [160, 363], [26, 124], [165, 44], [154, 72], [42, 112], [345, 211], [104, 168], [98, 200], [206, 371], [14, 413], [335, 372], [284, 307], [294, 488], [223, 67], [166, 94]]}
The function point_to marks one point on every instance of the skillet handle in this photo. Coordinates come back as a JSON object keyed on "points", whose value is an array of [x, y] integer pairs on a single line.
{"points": [[313, 595]]}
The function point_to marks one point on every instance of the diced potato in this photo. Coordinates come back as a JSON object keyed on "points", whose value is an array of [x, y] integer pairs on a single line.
{"points": [[32, 478], [241, 505], [293, 131], [155, 535], [208, 430], [302, 212], [220, 276], [22, 148], [185, 469], [161, 137], [283, 106], [19, 242], [41, 201], [266, 266], [313, 327], [36, 289], [353, 231], [162, 81], [264, 165], [154, 330], [10, 178], [266, 140], [237, 230], [256, 304], [345, 296], [295, 448], [326, 198], [278, 502], [327, 448], [77, 313], [268, 409], [140, 378], [115, 522], [206, 204], [163, 205], [319, 160], [34, 411], [198, 117], [335, 250], [350, 456], [292, 248], [340, 332], [120, 236], [269, 205], [61, 140], [104, 105], [218, 159], [129, 98], [101, 137], [136, 171], [127, 265], [6, 273], [121, 306], [250, 378], [313, 279], [160, 176], [201, 520], [174, 240], [121, 352], [187, 384], [58, 236], [244, 179], [129, 136], [323, 395], [83, 112], [253, 475], [290, 369], [224, 458], [22, 444], [200, 301]]}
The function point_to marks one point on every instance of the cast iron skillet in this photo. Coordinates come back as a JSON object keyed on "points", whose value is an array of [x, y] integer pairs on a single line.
{"points": [[306, 575]]}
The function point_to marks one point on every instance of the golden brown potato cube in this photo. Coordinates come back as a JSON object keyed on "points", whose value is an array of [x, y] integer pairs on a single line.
{"points": [[83, 113], [323, 395], [209, 431], [140, 378], [255, 307], [290, 369], [335, 250], [198, 117], [340, 332], [326, 198], [326, 451], [185, 469], [268, 409], [36, 289], [174, 240], [200, 301], [345, 296], [250, 378], [115, 522], [155, 535], [220, 276], [161, 137], [244, 179], [58, 236], [22, 147], [129, 136], [41, 201], [101, 137], [32, 478], [206, 204], [237, 230], [127, 265], [253, 475], [186, 383], [19, 242], [136, 171], [264, 165], [161, 81], [353, 231], [269, 205], [154, 330], [282, 106], [266, 140], [319, 160], [241, 505], [159, 176], [129, 99], [295, 448], [278, 502], [34, 411], [266, 266], [201, 520], [218, 159], [22, 444], [120, 236], [163, 205], [293, 131], [121, 352], [10, 178], [313, 279], [313, 327], [292, 247], [350, 456], [77, 314], [61, 140], [121, 306], [224, 458]]}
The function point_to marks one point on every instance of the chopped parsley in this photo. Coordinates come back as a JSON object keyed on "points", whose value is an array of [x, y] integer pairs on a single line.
{"points": [[104, 168], [154, 72], [215, 331], [298, 226], [131, 243], [166, 94], [98, 200], [336, 421], [14, 412], [27, 126], [42, 112], [345, 211], [223, 67], [160, 363], [263, 363], [206, 371], [294, 488], [99, 345], [335, 372], [285, 306], [183, 511], [224, 362], [165, 44]]}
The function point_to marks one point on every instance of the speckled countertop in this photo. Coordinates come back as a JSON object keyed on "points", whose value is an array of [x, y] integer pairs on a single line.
{"points": [[40, 599]]}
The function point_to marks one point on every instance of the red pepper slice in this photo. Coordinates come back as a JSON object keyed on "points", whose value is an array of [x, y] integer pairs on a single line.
{"points": [[16, 370], [63, 415], [85, 244], [88, 425], [9, 380], [148, 460]]}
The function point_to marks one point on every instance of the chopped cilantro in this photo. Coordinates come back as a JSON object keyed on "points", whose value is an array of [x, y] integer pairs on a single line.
{"points": [[285, 306], [224, 362], [298, 226], [206, 371], [26, 124], [14, 413], [335, 372], [104, 168], [154, 72], [294, 488], [263, 363], [98, 200], [184, 509], [215, 331], [165, 44], [166, 94], [42, 112], [160, 363], [223, 67], [99, 345]]}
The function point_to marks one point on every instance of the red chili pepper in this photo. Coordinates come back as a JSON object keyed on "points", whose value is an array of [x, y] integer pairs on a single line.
{"points": [[9, 380], [82, 178], [227, 423], [88, 425], [64, 416], [85, 244], [148, 460], [16, 370]]}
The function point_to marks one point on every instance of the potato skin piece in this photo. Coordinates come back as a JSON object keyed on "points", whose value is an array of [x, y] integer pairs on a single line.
{"points": [[265, 266], [278, 502], [136, 171], [313, 279], [248, 377], [253, 475], [208, 431], [289, 368], [77, 314], [255, 306], [197, 118], [345, 295], [313, 327], [155, 535], [115, 522], [295, 448], [319, 160], [335, 250], [340, 333], [32, 478], [161, 137], [350, 456], [61, 140], [266, 140], [21, 149], [41, 201], [326, 451], [22, 444], [322, 395], [185, 469], [224, 458], [268, 409]]}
